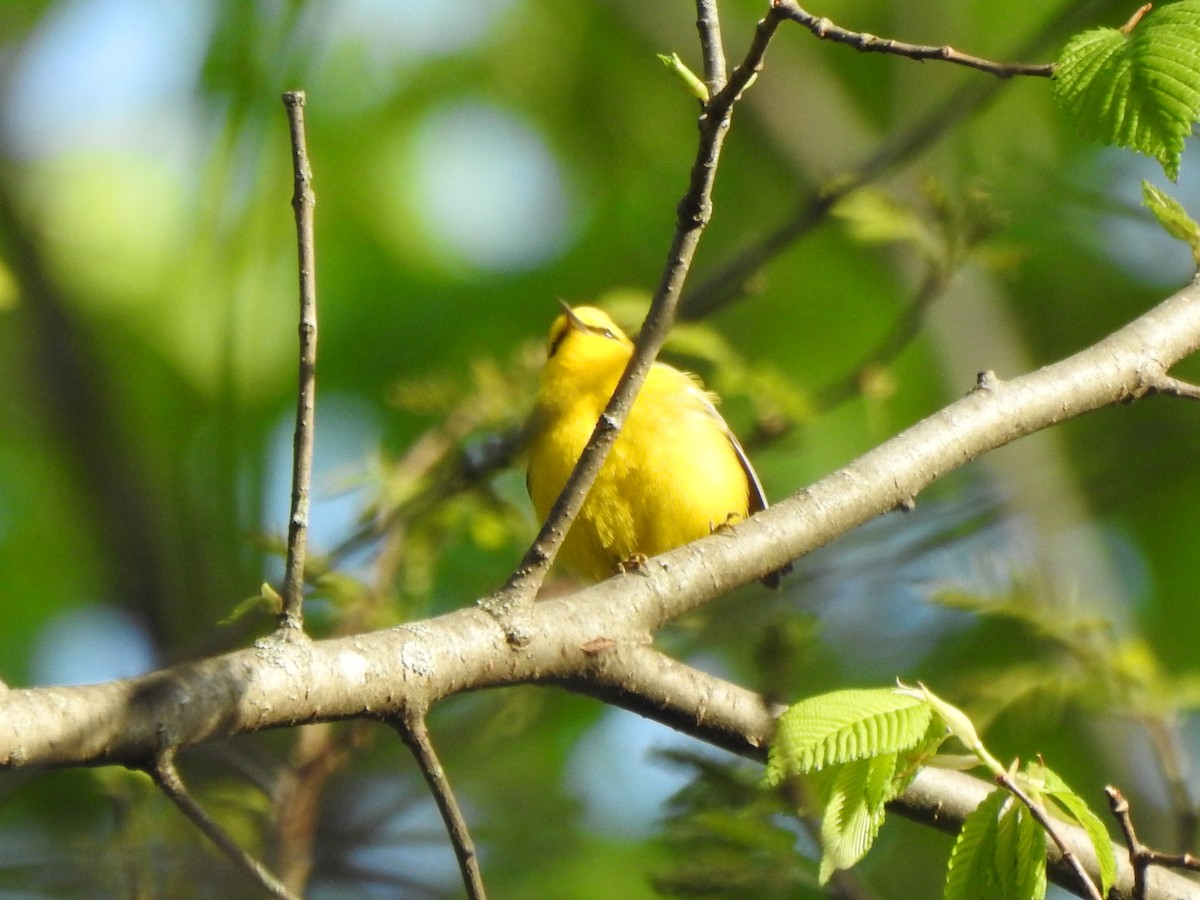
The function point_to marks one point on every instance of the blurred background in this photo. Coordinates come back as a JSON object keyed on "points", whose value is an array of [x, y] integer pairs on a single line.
{"points": [[474, 162]]}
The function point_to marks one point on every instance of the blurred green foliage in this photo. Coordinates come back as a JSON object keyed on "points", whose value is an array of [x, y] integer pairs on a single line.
{"points": [[147, 344]]}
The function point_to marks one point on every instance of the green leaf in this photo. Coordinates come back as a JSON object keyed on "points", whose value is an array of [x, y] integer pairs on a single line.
{"points": [[1000, 854], [1020, 858], [1172, 217], [971, 874], [844, 726], [691, 81], [1139, 89], [1074, 805], [855, 811]]}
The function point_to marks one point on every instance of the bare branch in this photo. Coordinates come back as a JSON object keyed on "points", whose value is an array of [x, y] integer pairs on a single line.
{"points": [[1174, 387], [166, 776], [727, 283], [280, 683], [296, 800], [1142, 857], [303, 200], [413, 730], [869, 43], [708, 23], [1133, 21]]}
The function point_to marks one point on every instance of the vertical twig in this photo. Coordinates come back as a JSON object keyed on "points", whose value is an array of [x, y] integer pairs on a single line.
{"points": [[709, 25], [510, 604], [166, 776], [415, 734], [303, 200]]}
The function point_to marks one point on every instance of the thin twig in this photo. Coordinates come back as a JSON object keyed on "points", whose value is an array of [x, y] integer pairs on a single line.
{"points": [[303, 200], [1174, 387], [1048, 825], [1133, 21], [166, 776], [708, 23], [869, 43], [510, 604], [728, 282], [1141, 857], [415, 734]]}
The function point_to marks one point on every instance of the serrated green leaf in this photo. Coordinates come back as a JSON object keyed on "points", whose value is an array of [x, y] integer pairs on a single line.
{"points": [[1139, 90], [855, 811], [1074, 805], [881, 785], [1020, 858], [844, 726], [1172, 217], [1006, 851], [1031, 856], [971, 873]]}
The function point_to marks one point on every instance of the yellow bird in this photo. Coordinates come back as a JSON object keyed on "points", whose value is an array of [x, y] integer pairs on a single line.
{"points": [[675, 473]]}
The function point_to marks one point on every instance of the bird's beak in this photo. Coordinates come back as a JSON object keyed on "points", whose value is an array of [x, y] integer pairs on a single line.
{"points": [[577, 323]]}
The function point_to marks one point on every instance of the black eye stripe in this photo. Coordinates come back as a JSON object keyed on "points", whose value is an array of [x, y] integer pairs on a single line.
{"points": [[556, 343], [594, 329]]}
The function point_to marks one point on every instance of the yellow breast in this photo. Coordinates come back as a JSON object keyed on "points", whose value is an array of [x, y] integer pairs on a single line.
{"points": [[672, 476]]}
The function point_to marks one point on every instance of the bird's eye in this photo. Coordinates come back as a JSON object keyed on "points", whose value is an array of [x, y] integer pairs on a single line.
{"points": [[608, 334]]}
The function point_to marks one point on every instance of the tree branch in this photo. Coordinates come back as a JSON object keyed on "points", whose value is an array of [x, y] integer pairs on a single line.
{"points": [[166, 776], [943, 799], [1142, 857], [415, 733], [292, 617], [869, 43], [296, 800], [708, 23], [596, 641], [1084, 884], [580, 637], [727, 283]]}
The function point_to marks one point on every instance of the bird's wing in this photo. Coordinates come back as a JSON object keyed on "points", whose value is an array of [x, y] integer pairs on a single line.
{"points": [[757, 500]]}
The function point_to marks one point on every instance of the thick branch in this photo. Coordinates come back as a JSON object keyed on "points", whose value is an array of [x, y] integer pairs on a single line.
{"points": [[277, 684], [596, 640]]}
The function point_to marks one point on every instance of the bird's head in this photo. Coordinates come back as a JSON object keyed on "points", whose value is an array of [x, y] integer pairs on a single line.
{"points": [[588, 330]]}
